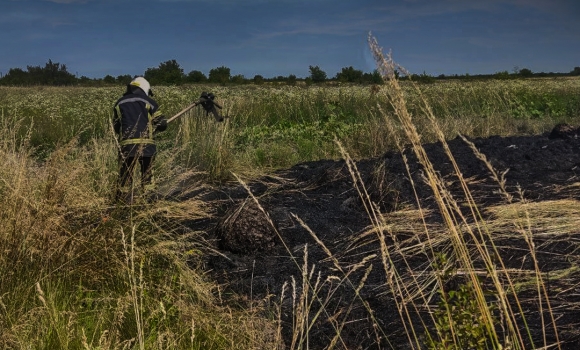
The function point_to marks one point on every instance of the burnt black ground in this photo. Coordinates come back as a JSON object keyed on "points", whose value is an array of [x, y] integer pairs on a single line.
{"points": [[255, 261]]}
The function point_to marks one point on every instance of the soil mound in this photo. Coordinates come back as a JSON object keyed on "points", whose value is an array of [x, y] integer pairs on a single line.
{"points": [[245, 229]]}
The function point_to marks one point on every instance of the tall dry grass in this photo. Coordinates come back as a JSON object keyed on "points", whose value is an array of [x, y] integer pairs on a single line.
{"points": [[77, 272], [470, 238]]}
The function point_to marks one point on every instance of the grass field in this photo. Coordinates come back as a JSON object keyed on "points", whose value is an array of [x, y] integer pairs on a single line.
{"points": [[277, 126], [78, 273]]}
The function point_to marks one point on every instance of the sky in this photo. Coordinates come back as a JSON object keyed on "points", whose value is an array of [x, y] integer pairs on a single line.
{"points": [[95, 38]]}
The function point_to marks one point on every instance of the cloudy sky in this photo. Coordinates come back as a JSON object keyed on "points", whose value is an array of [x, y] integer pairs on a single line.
{"points": [[95, 38]]}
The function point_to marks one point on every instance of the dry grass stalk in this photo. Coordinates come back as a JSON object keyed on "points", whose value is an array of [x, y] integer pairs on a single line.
{"points": [[135, 284], [447, 205]]}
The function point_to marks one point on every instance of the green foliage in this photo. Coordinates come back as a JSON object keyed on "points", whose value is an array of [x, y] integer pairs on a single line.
{"points": [[124, 79], [195, 76], [48, 117], [530, 104], [526, 73], [121, 79], [258, 79], [239, 79], [220, 75], [291, 80], [169, 73], [374, 77], [317, 75], [109, 79], [459, 321], [52, 73], [423, 78], [303, 140], [503, 75], [350, 75], [318, 131]]}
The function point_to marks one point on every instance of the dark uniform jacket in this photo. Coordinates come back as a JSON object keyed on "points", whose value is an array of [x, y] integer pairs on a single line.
{"points": [[136, 116]]}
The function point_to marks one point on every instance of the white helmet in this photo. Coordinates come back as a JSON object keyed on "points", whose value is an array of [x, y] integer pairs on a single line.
{"points": [[143, 84]]}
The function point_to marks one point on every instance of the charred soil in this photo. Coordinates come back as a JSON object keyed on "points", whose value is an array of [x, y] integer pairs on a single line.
{"points": [[315, 216]]}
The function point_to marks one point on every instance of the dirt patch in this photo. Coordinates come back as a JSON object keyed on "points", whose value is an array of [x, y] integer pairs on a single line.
{"points": [[304, 215]]}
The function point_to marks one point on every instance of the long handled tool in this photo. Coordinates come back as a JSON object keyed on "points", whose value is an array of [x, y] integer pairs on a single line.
{"points": [[207, 102], [182, 112]]}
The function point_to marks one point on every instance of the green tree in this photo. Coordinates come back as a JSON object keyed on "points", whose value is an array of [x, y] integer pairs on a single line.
{"points": [[195, 76], [502, 75], [291, 80], [84, 80], [526, 73], [377, 78], [575, 71], [423, 78], [55, 73], [109, 79], [168, 72], [220, 75], [15, 76], [317, 75], [374, 77], [124, 79], [258, 79], [279, 79], [349, 75], [238, 79], [52, 73]]}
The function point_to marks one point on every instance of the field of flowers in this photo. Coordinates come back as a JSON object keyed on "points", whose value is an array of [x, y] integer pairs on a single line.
{"points": [[277, 126]]}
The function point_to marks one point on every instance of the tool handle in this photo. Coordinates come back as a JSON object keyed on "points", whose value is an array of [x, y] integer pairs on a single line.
{"points": [[182, 112]]}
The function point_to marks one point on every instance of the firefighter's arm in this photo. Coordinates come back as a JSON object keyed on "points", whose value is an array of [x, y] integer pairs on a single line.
{"points": [[159, 121]]}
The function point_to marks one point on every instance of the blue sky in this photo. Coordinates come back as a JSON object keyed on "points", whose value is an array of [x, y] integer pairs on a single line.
{"points": [[95, 38]]}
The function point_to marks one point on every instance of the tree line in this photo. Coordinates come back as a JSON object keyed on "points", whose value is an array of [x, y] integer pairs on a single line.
{"points": [[171, 73]]}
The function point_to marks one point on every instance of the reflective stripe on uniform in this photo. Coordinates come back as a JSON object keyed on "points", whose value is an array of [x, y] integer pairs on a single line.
{"points": [[149, 119], [118, 109], [137, 142], [133, 99]]}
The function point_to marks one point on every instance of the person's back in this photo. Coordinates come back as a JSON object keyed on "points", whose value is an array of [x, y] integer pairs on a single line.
{"points": [[136, 119], [135, 114]]}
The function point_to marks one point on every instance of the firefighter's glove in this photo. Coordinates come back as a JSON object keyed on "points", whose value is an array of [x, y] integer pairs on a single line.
{"points": [[160, 125]]}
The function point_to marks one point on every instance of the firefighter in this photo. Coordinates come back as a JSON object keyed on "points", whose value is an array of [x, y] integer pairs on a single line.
{"points": [[136, 120]]}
